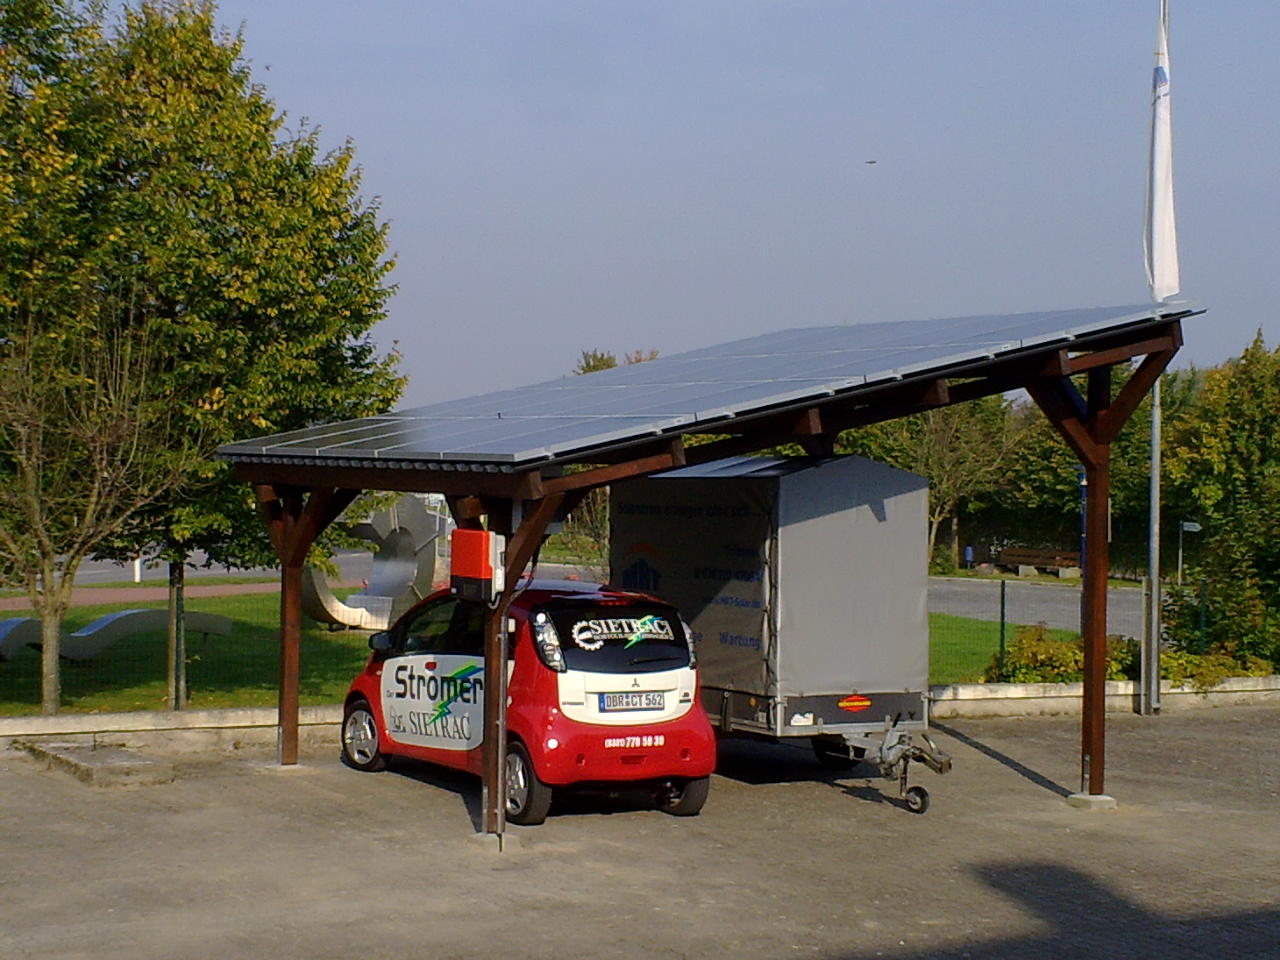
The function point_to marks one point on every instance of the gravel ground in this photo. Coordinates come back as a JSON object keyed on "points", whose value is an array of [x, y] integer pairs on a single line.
{"points": [[241, 858]]}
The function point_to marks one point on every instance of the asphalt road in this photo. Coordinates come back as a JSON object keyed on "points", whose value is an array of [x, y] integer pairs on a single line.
{"points": [[354, 566], [1025, 602], [1031, 602]]}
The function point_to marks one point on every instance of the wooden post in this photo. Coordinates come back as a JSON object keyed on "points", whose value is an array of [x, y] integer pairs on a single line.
{"points": [[1089, 427], [1093, 611], [290, 662], [1094, 625], [294, 520], [521, 546]]}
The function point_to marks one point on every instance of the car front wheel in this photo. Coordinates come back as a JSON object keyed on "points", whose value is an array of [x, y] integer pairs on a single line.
{"points": [[360, 738]]}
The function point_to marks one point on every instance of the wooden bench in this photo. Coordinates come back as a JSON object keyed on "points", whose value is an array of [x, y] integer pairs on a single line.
{"points": [[1028, 561]]}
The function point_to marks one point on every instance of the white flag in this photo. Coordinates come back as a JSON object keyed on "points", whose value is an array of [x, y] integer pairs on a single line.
{"points": [[1162, 233]]}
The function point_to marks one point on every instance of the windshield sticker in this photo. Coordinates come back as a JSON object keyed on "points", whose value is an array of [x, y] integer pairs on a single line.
{"points": [[592, 634]]}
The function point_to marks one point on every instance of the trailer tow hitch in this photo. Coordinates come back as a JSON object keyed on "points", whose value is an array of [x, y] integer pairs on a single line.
{"points": [[893, 755]]}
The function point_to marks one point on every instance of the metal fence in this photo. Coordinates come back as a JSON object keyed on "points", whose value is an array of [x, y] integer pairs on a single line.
{"points": [[971, 621], [967, 618]]}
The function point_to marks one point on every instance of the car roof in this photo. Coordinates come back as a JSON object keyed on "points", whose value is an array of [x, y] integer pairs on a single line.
{"points": [[540, 592]]}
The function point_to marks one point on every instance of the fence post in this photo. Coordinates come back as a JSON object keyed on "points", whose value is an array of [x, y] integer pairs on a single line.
{"points": [[1003, 584], [1204, 603]]}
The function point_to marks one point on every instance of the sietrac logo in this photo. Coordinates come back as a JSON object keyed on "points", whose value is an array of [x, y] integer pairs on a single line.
{"points": [[592, 634]]}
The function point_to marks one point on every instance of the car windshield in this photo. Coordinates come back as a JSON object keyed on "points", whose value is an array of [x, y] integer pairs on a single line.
{"points": [[635, 638]]}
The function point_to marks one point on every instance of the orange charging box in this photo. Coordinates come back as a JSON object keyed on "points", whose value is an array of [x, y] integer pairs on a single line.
{"points": [[476, 569]]}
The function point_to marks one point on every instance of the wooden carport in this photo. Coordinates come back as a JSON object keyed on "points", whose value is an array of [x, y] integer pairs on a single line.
{"points": [[512, 461]]}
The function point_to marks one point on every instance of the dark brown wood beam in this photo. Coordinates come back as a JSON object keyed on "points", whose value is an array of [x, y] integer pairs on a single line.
{"points": [[466, 511], [295, 517], [521, 545], [1171, 340], [1058, 398], [1132, 393], [524, 485], [602, 476]]}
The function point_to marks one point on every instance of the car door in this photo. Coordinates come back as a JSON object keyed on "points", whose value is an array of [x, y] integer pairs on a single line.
{"points": [[433, 683]]}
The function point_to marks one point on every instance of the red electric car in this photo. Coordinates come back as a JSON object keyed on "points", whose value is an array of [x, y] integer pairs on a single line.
{"points": [[602, 689]]}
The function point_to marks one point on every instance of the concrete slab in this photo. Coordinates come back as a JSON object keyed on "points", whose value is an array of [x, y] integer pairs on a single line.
{"points": [[1092, 801], [100, 765]]}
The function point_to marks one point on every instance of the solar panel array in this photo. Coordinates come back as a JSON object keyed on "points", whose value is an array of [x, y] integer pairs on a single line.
{"points": [[512, 428]]}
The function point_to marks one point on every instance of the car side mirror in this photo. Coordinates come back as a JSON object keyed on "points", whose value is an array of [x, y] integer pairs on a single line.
{"points": [[380, 642]]}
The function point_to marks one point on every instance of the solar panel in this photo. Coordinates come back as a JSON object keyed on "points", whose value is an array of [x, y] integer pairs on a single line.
{"points": [[557, 418]]}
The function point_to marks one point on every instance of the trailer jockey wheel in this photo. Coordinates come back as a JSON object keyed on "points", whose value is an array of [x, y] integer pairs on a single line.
{"points": [[917, 799]]}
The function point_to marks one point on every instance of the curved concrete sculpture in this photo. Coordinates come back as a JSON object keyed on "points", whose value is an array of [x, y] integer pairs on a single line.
{"points": [[16, 633], [405, 539], [107, 630]]}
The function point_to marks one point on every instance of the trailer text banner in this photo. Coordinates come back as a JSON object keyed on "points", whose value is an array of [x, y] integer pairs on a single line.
{"points": [[800, 577], [705, 547]]}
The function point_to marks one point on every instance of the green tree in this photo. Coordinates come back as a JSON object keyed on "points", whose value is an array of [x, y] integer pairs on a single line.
{"points": [[1038, 502], [148, 177], [966, 451], [1224, 464], [587, 528], [593, 361]]}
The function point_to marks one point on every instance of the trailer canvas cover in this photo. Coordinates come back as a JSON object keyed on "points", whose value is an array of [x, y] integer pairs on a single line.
{"points": [[800, 577]]}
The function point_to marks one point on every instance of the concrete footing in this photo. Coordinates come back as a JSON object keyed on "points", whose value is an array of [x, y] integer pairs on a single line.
{"points": [[1092, 801]]}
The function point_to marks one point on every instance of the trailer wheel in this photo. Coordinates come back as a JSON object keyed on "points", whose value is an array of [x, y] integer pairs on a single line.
{"points": [[834, 754], [684, 798], [917, 799]]}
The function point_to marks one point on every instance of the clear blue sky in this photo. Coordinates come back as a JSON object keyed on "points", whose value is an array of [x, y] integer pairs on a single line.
{"points": [[664, 174]]}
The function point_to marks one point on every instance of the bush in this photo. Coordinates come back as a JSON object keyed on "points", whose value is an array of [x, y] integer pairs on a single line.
{"points": [[1037, 656], [1230, 613]]}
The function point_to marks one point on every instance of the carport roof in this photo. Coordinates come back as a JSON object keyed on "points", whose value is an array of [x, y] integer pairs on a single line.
{"points": [[703, 390]]}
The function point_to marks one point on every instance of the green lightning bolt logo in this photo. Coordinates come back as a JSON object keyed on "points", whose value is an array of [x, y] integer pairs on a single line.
{"points": [[462, 673], [641, 625]]}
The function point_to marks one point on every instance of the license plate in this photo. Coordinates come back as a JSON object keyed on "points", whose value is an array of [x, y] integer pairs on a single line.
{"points": [[649, 700]]}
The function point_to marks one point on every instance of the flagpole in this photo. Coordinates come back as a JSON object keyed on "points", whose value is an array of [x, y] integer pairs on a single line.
{"points": [[1160, 242], [1149, 685]]}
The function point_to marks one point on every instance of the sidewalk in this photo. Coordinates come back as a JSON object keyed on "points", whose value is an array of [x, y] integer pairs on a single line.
{"points": [[87, 596]]}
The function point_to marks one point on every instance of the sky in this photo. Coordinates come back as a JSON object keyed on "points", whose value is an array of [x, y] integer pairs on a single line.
{"points": [[667, 174]]}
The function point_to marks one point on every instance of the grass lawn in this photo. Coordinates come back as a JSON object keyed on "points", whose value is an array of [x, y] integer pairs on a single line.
{"points": [[961, 648], [243, 670], [237, 671]]}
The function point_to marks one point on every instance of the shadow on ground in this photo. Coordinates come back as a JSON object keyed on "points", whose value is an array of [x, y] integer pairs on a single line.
{"points": [[1003, 758], [1086, 920]]}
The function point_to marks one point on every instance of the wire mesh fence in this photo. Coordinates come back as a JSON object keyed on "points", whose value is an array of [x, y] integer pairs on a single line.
{"points": [[972, 621], [968, 619], [240, 667]]}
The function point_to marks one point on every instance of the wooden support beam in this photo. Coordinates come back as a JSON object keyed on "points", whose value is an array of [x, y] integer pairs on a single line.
{"points": [[674, 456], [1168, 342], [295, 517], [523, 485], [1058, 398], [1093, 601], [1057, 364], [466, 511], [521, 545], [1132, 393]]}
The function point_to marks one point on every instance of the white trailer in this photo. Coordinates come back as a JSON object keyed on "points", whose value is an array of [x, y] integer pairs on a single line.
{"points": [[805, 584]]}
